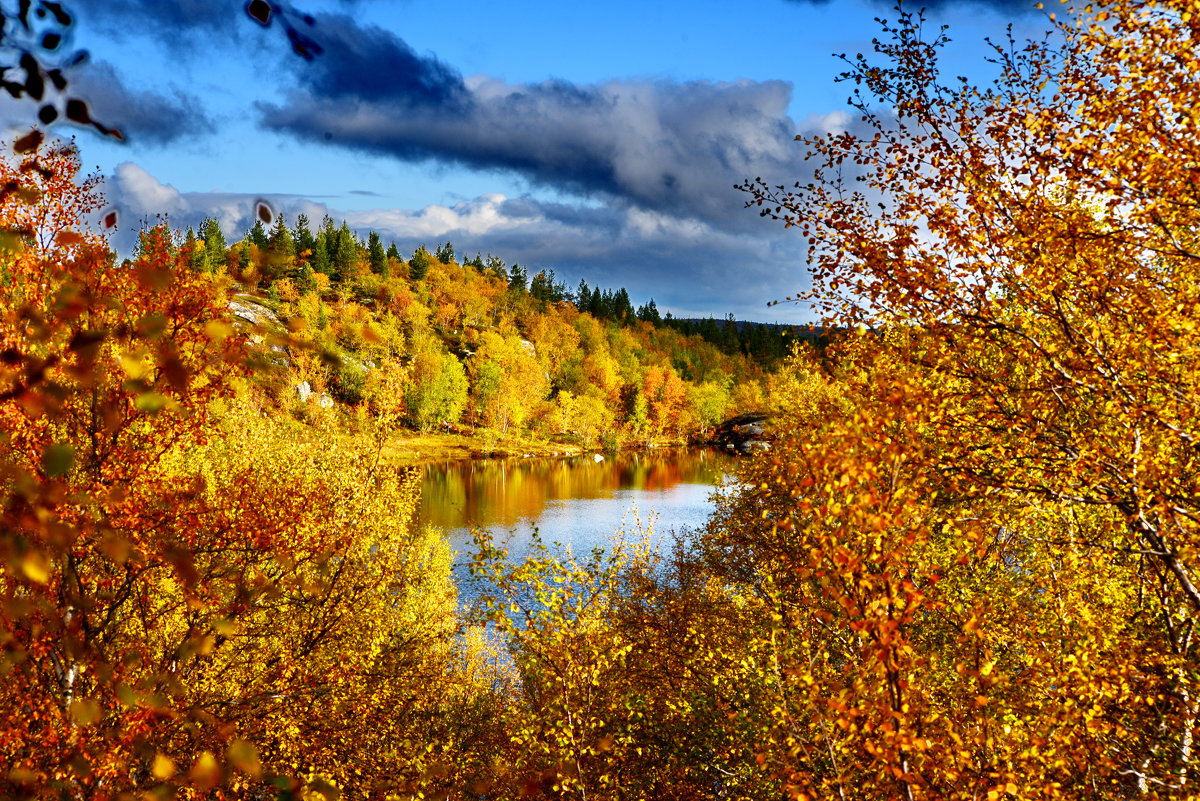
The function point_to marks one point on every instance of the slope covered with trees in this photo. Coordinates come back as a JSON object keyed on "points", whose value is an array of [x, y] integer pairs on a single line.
{"points": [[479, 344], [188, 600]]}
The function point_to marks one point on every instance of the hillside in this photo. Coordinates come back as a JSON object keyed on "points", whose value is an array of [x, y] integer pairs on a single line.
{"points": [[353, 331]]}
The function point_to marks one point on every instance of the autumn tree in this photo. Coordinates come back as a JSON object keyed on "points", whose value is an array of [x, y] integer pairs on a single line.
{"points": [[584, 417], [555, 340], [665, 398], [507, 380], [635, 675], [437, 391], [106, 369], [1022, 427], [190, 605], [710, 399]]}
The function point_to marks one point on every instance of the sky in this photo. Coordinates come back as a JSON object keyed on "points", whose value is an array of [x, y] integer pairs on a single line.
{"points": [[601, 140]]}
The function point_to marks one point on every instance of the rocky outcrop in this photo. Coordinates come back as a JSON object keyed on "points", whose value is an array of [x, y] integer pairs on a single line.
{"points": [[267, 329], [249, 310], [744, 434]]}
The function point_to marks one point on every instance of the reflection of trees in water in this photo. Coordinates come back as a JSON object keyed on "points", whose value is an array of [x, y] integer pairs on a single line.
{"points": [[504, 492]]}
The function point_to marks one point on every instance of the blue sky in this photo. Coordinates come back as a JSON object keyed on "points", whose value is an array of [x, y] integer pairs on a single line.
{"points": [[601, 140]]}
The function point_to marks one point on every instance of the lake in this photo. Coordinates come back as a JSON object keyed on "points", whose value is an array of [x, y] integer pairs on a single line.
{"points": [[575, 504]]}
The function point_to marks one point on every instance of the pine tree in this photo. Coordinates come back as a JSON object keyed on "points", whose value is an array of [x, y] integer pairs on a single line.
{"points": [[418, 265], [215, 248], [320, 256], [280, 243], [345, 252], [305, 241], [517, 278], [649, 313], [376, 255], [257, 235], [556, 290], [305, 282], [622, 307], [327, 245], [495, 265], [539, 287]]}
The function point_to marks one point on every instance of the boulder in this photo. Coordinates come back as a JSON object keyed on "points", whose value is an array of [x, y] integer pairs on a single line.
{"points": [[743, 434], [248, 310]]}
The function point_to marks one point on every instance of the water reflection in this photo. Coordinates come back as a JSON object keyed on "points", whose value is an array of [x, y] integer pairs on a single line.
{"points": [[578, 503]]}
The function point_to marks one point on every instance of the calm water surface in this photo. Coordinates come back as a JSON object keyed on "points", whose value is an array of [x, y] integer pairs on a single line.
{"points": [[574, 504]]}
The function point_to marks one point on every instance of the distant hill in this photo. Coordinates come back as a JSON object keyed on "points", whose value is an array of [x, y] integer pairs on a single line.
{"points": [[766, 343]]}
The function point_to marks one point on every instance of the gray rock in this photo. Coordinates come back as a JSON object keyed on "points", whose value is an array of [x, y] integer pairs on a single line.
{"points": [[251, 312]]}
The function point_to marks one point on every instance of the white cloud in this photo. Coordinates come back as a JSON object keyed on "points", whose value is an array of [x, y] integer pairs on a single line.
{"points": [[689, 266]]}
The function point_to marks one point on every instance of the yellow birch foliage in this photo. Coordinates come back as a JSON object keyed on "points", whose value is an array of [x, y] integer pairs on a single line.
{"points": [[937, 640], [633, 678], [986, 566], [190, 605], [335, 660]]}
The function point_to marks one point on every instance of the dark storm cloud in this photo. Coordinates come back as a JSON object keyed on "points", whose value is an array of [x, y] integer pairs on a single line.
{"points": [[368, 63], [677, 147], [167, 20], [144, 117]]}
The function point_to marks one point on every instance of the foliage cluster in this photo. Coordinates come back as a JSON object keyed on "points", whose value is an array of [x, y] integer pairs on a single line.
{"points": [[968, 567], [481, 344], [188, 603]]}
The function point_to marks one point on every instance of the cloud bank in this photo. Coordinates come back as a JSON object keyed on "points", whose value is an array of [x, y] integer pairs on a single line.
{"points": [[688, 266], [142, 200]]}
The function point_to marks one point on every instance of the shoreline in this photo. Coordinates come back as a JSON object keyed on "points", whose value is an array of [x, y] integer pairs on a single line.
{"points": [[416, 449]]}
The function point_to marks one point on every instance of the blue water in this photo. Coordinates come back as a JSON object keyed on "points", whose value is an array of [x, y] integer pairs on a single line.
{"points": [[575, 505]]}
